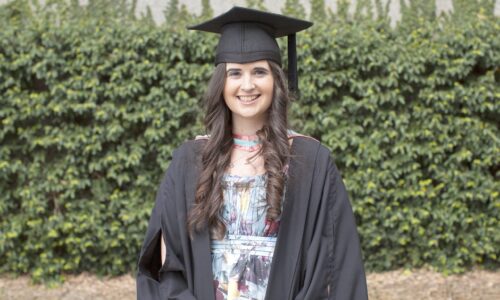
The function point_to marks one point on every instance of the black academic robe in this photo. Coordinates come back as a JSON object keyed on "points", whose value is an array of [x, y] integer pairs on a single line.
{"points": [[317, 254]]}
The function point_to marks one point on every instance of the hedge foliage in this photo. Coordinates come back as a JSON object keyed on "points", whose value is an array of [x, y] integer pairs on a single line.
{"points": [[93, 100]]}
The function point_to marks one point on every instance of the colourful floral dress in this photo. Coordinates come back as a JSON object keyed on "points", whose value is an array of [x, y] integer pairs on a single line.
{"points": [[242, 260]]}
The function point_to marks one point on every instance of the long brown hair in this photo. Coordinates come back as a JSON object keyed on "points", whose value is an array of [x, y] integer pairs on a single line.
{"points": [[216, 154]]}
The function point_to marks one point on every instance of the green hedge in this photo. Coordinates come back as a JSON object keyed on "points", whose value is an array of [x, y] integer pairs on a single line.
{"points": [[94, 100]]}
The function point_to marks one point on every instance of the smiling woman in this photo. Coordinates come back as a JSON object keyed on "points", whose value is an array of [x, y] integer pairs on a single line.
{"points": [[252, 210]]}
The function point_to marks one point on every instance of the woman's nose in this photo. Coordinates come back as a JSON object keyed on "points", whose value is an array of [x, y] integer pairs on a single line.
{"points": [[247, 84]]}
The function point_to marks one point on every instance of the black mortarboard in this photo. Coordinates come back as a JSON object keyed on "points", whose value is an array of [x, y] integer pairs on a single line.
{"points": [[249, 35]]}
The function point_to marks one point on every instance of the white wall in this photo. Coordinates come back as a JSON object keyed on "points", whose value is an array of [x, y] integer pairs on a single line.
{"points": [[219, 6]]}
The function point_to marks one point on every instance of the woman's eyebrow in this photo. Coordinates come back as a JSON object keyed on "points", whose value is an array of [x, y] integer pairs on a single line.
{"points": [[261, 69], [232, 69]]}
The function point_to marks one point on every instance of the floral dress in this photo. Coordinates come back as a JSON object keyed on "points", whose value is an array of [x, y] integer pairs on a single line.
{"points": [[242, 260]]}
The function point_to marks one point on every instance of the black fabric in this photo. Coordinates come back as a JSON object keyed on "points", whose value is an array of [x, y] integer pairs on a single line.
{"points": [[317, 254], [279, 25], [246, 42]]}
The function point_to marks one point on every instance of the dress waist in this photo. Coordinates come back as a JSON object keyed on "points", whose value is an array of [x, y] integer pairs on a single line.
{"points": [[244, 244]]}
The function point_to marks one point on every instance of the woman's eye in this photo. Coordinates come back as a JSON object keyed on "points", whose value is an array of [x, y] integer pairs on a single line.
{"points": [[261, 72], [233, 73]]}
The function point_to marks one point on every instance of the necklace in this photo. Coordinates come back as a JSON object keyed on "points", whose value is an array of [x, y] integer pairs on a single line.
{"points": [[248, 143]]}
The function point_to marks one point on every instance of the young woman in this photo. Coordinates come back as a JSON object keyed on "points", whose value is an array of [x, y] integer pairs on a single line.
{"points": [[253, 210]]}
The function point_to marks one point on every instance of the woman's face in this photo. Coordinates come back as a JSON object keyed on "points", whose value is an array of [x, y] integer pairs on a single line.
{"points": [[248, 90]]}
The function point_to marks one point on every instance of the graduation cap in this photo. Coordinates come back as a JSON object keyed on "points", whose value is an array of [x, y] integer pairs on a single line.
{"points": [[249, 35]]}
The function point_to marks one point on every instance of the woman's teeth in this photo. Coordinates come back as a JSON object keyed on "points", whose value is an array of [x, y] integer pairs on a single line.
{"points": [[247, 98]]}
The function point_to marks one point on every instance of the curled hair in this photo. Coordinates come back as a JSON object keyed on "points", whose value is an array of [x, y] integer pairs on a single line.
{"points": [[216, 154]]}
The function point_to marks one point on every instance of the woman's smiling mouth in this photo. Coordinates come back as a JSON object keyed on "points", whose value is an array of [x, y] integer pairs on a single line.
{"points": [[248, 99]]}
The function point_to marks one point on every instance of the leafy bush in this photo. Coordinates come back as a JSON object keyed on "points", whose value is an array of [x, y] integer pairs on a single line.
{"points": [[94, 100]]}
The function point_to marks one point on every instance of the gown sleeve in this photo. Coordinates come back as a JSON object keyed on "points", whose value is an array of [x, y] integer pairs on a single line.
{"points": [[155, 281], [348, 280]]}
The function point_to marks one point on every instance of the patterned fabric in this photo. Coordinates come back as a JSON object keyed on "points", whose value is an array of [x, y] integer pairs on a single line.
{"points": [[242, 260]]}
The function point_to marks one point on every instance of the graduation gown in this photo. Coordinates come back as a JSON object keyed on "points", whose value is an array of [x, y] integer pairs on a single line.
{"points": [[317, 254]]}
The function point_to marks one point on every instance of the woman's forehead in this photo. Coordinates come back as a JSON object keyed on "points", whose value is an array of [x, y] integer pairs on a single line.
{"points": [[250, 65]]}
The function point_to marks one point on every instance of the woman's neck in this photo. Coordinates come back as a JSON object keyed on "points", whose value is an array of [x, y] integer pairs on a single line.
{"points": [[242, 126]]}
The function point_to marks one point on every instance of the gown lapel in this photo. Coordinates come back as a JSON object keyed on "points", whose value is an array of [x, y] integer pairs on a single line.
{"points": [[200, 247], [283, 277]]}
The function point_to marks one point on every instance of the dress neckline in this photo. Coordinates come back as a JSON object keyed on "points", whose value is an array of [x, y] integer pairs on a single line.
{"points": [[226, 175]]}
